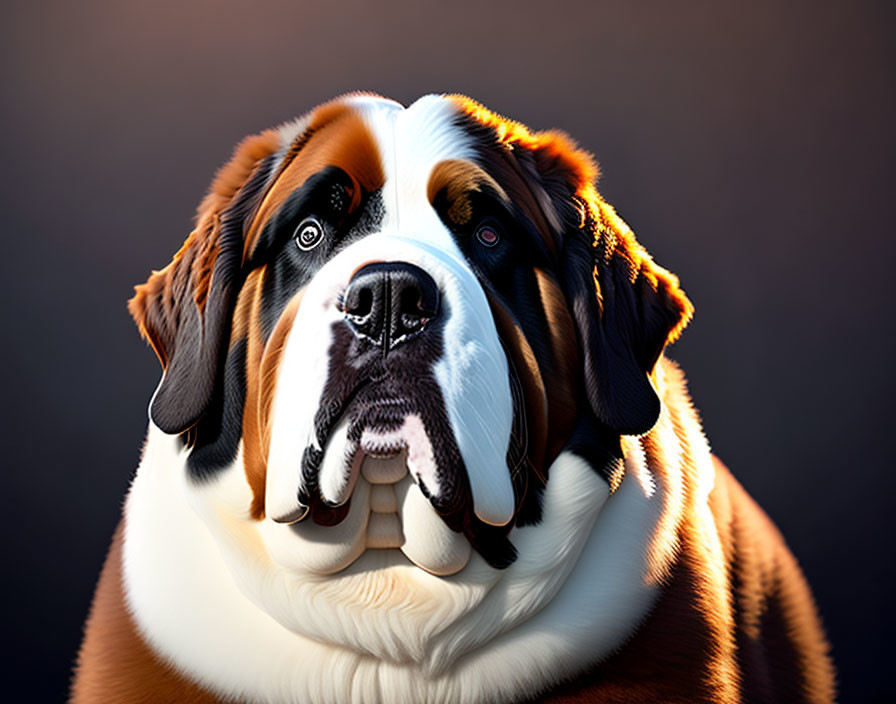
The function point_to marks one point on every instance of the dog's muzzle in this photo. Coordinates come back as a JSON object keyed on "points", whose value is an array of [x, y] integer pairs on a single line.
{"points": [[392, 409]]}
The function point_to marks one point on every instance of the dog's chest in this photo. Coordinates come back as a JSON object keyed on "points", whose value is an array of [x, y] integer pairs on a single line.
{"points": [[204, 594]]}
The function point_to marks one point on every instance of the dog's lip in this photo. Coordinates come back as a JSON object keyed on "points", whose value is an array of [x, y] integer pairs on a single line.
{"points": [[379, 444], [384, 454], [378, 414], [370, 438], [358, 458], [300, 512]]}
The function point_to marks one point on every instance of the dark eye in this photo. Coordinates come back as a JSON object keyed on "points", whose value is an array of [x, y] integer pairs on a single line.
{"points": [[309, 234], [488, 234]]}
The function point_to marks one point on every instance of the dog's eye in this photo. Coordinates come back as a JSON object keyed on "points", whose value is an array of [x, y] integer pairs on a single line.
{"points": [[488, 235], [309, 234]]}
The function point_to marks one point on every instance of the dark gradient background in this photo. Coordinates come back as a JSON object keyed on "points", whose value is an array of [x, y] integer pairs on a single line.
{"points": [[750, 146]]}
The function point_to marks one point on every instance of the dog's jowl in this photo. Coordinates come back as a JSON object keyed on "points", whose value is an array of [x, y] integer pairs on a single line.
{"points": [[416, 441]]}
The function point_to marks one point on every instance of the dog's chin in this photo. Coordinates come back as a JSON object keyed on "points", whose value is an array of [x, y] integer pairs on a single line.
{"points": [[373, 487]]}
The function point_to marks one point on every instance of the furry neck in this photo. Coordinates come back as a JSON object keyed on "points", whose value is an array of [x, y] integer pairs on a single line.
{"points": [[206, 595]]}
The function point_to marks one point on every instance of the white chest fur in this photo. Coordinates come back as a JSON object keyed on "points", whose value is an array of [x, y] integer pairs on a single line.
{"points": [[208, 596]]}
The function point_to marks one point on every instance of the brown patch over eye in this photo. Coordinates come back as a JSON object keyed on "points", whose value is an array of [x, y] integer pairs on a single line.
{"points": [[456, 180], [337, 136], [537, 170]]}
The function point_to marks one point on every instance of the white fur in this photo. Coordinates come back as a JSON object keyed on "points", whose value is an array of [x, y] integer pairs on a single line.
{"points": [[428, 541], [209, 598], [473, 374], [301, 376], [265, 612], [340, 466], [288, 133]]}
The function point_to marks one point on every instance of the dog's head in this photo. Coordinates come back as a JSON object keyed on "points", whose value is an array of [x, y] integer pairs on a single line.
{"points": [[387, 325]]}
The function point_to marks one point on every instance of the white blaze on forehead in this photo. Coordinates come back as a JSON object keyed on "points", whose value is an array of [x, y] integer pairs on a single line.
{"points": [[412, 141], [472, 373]]}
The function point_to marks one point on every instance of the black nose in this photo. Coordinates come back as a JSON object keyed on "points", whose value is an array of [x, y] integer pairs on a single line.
{"points": [[388, 302]]}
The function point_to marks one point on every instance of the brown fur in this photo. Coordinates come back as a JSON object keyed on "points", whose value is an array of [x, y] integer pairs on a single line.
{"points": [[561, 391], [721, 641], [114, 663], [531, 166], [736, 621], [729, 628], [337, 137], [457, 180], [735, 624], [258, 402], [153, 305], [542, 170], [254, 449]]}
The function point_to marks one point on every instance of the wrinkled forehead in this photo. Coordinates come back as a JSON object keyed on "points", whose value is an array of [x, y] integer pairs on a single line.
{"points": [[380, 144]]}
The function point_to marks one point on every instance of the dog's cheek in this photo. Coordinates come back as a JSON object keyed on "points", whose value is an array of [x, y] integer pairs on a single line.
{"points": [[294, 372], [263, 363], [563, 399]]}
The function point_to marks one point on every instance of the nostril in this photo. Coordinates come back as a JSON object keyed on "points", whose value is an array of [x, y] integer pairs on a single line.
{"points": [[410, 307], [362, 306], [415, 302], [409, 301], [358, 302]]}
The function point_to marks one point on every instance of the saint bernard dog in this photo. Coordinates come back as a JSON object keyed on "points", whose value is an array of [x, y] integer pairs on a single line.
{"points": [[416, 441]]}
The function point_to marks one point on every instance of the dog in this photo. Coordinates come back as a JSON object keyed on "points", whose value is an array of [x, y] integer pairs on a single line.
{"points": [[416, 440]]}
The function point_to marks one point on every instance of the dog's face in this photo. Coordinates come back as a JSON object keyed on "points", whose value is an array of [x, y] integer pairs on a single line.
{"points": [[388, 327]]}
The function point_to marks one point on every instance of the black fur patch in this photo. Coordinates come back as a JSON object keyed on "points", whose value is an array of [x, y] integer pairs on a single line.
{"points": [[598, 445], [215, 438], [199, 347]]}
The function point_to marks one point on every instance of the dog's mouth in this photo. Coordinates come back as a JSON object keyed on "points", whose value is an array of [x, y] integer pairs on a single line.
{"points": [[391, 476], [379, 483], [385, 423], [378, 426]]}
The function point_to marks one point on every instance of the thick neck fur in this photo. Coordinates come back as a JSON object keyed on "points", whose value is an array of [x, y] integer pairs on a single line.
{"points": [[206, 595]]}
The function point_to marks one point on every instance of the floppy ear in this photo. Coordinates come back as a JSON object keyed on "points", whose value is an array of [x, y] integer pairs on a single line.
{"points": [[626, 307], [185, 310]]}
